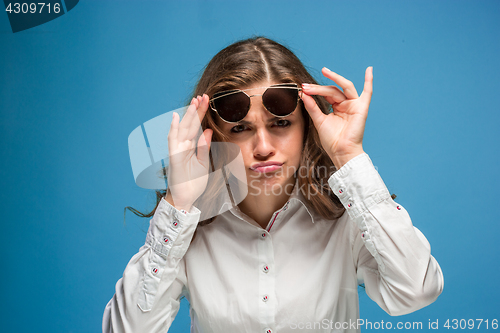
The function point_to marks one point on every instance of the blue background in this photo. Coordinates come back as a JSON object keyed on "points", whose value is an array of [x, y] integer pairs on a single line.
{"points": [[74, 88]]}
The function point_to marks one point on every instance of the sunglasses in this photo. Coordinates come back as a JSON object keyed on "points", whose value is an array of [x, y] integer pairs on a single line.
{"points": [[233, 105]]}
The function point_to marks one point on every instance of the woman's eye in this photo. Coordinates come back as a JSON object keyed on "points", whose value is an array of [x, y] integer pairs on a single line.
{"points": [[238, 129], [282, 123]]}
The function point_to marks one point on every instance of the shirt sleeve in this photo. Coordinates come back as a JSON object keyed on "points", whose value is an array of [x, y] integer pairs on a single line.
{"points": [[392, 257], [147, 297]]}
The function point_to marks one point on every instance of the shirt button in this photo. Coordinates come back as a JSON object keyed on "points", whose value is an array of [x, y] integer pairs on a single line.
{"points": [[398, 207], [268, 330], [154, 270], [175, 224], [166, 240], [263, 235], [350, 204], [341, 190], [265, 298], [265, 268]]}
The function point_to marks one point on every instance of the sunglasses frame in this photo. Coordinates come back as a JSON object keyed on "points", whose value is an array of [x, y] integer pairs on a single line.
{"points": [[236, 91]]}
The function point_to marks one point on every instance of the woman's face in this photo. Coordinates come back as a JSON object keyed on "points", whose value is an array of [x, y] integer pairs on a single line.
{"points": [[271, 146]]}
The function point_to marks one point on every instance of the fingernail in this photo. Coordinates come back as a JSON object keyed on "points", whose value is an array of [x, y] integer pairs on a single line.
{"points": [[328, 69], [306, 86]]}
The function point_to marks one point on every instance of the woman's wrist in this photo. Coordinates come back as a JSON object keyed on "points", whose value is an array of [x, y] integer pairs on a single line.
{"points": [[170, 200], [339, 160]]}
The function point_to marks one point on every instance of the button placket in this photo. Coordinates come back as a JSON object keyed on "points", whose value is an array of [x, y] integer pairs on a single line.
{"points": [[266, 277]]}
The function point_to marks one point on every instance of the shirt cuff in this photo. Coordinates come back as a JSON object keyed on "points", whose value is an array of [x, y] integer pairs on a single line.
{"points": [[358, 185], [170, 229]]}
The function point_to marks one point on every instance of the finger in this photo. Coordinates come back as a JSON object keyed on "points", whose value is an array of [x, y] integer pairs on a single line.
{"points": [[196, 102], [187, 121], [332, 100], [203, 107], [172, 134], [331, 93], [366, 95], [204, 146], [346, 85], [203, 102], [201, 110], [313, 109]]}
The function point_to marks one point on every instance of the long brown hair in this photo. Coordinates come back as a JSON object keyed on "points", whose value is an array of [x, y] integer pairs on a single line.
{"points": [[251, 61]]}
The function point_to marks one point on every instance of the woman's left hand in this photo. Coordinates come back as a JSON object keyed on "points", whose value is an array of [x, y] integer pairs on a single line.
{"points": [[340, 132]]}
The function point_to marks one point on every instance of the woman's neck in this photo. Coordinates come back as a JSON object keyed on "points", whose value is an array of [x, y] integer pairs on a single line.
{"points": [[261, 207]]}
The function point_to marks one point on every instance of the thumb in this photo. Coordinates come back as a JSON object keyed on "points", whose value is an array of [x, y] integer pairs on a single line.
{"points": [[313, 109]]}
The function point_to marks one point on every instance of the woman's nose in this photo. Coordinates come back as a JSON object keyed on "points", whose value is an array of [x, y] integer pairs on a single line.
{"points": [[263, 144]]}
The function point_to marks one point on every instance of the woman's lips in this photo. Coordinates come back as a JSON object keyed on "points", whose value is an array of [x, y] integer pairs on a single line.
{"points": [[266, 167]]}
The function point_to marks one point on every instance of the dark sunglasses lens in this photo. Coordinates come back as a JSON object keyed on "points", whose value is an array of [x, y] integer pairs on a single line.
{"points": [[281, 101], [232, 107]]}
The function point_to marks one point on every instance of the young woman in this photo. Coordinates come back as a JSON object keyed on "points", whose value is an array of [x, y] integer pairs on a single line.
{"points": [[317, 220]]}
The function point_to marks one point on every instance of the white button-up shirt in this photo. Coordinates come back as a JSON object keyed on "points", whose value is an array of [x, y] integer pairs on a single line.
{"points": [[302, 269]]}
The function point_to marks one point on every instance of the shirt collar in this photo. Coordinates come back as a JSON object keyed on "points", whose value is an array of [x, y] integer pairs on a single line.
{"points": [[295, 198]]}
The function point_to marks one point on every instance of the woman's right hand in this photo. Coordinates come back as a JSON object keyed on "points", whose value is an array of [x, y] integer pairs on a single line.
{"points": [[188, 172]]}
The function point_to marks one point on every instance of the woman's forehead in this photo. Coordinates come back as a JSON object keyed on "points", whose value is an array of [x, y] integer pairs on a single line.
{"points": [[260, 84]]}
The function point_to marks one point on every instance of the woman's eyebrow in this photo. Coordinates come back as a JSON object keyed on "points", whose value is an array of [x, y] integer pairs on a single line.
{"points": [[270, 120], [291, 116], [279, 118], [243, 122]]}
